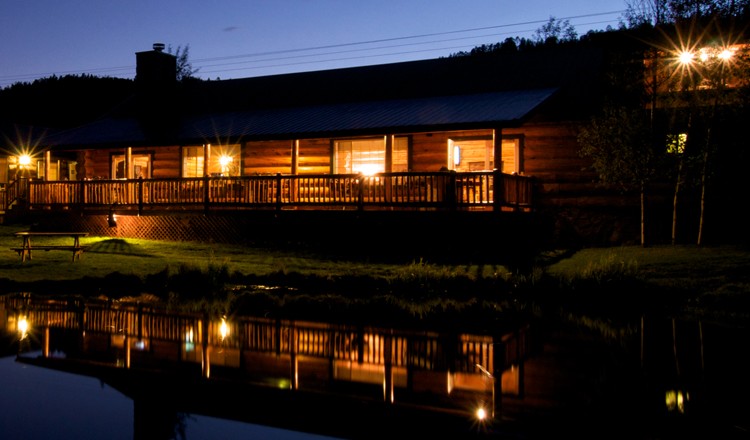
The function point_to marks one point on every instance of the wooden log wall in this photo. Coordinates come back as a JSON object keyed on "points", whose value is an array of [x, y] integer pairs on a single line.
{"points": [[267, 157], [314, 156], [165, 162]]}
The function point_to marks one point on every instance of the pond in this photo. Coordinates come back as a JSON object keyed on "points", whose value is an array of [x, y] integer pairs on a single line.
{"points": [[39, 403], [98, 370]]}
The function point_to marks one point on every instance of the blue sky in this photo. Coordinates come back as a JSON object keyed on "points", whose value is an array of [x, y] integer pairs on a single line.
{"points": [[235, 38]]}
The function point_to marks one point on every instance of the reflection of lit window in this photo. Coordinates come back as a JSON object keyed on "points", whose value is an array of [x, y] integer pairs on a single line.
{"points": [[189, 344], [675, 400], [223, 329], [676, 143]]}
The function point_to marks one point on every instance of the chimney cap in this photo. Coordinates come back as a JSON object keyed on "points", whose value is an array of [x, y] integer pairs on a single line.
{"points": [[159, 47]]}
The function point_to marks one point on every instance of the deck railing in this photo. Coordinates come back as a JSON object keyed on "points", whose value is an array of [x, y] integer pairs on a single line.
{"points": [[423, 350], [13, 192], [440, 190]]}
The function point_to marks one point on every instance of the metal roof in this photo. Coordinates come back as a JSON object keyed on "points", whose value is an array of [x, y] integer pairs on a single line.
{"points": [[398, 115], [497, 108]]}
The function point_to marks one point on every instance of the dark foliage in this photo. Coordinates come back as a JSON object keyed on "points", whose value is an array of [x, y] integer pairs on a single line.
{"points": [[63, 101]]}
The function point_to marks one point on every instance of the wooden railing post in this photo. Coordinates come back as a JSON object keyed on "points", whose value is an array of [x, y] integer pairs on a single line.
{"points": [[451, 194], [498, 365], [361, 192], [205, 194], [278, 191], [140, 196], [497, 190]]}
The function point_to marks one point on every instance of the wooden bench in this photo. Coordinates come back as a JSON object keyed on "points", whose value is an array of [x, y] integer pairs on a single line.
{"points": [[24, 251], [77, 250]]}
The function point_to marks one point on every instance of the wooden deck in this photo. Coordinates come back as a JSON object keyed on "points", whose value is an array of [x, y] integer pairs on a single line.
{"points": [[439, 191]]}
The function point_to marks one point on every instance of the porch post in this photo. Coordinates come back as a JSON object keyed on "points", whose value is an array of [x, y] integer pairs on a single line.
{"points": [[497, 178], [47, 164], [498, 365], [206, 158], [295, 156], [206, 162], [129, 163], [389, 140]]}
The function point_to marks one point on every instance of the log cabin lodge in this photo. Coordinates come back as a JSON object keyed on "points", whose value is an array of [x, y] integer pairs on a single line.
{"points": [[481, 149]]}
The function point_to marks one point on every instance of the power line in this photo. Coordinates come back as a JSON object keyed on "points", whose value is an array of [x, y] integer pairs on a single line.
{"points": [[129, 71]]}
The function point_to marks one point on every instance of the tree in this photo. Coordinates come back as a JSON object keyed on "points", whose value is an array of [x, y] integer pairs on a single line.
{"points": [[556, 31], [656, 12], [621, 148], [185, 70]]}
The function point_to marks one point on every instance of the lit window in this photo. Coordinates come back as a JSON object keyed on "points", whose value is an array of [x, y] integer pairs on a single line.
{"points": [[141, 166], [478, 155], [365, 156], [223, 161], [192, 162]]}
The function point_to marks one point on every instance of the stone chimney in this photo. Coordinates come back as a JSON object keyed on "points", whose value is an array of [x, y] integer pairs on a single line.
{"points": [[155, 68], [156, 93]]}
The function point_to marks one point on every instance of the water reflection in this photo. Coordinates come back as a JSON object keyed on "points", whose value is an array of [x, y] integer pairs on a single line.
{"points": [[663, 378]]}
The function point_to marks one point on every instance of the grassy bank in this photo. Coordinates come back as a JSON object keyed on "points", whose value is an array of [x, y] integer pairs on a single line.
{"points": [[684, 279]]}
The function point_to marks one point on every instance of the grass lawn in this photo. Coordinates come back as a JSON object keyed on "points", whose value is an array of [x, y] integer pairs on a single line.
{"points": [[697, 277], [702, 268], [138, 257]]}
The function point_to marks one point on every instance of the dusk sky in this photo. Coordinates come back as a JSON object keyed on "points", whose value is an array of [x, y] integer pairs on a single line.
{"points": [[243, 38]]}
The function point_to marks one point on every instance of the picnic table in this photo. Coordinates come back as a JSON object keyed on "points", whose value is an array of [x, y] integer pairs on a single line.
{"points": [[26, 246]]}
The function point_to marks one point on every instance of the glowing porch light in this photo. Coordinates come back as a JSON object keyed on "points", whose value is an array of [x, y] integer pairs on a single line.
{"points": [[686, 57], [24, 160], [481, 413], [456, 155], [725, 55]]}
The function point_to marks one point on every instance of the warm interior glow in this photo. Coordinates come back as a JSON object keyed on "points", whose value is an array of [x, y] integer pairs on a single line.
{"points": [[225, 160], [367, 169]]}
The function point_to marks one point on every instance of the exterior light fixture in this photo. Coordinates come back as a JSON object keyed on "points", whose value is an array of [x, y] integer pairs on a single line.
{"points": [[24, 160], [686, 57], [481, 413], [456, 155], [725, 55], [111, 217]]}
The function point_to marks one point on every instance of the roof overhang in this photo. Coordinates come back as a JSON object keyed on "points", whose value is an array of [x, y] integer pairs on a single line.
{"points": [[454, 112]]}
